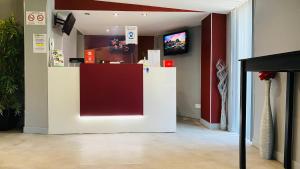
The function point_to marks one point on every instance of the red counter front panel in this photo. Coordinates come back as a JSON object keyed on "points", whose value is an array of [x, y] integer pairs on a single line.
{"points": [[111, 90]]}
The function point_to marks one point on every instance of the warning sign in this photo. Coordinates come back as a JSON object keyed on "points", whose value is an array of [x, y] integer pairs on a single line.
{"points": [[31, 17], [40, 18], [35, 18]]}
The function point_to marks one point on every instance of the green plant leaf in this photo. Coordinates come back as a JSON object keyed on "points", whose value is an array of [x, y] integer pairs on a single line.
{"points": [[11, 66]]}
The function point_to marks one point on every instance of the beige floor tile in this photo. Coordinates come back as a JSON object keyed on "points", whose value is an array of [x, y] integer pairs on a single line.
{"points": [[192, 147]]}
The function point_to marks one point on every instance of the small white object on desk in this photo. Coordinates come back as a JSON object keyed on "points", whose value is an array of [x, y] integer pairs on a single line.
{"points": [[154, 58], [114, 62]]}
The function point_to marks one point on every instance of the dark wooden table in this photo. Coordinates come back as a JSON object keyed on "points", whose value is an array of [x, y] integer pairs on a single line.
{"points": [[284, 62]]}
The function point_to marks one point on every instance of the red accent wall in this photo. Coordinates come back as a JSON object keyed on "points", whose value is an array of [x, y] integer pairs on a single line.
{"points": [[110, 6], [110, 90], [213, 49], [104, 51], [218, 52], [205, 68], [145, 43]]}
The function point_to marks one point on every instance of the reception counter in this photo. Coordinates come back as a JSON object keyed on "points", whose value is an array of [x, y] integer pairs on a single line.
{"points": [[111, 89], [156, 114]]}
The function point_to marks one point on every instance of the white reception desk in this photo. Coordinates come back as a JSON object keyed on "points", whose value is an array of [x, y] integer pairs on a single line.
{"points": [[159, 92]]}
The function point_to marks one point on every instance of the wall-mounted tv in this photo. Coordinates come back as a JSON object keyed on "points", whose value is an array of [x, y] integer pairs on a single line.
{"points": [[176, 43], [69, 23]]}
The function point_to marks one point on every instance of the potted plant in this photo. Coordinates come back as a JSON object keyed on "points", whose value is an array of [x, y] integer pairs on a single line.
{"points": [[11, 72]]}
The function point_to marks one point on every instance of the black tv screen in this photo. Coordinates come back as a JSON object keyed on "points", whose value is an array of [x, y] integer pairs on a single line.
{"points": [[176, 43], [68, 24]]}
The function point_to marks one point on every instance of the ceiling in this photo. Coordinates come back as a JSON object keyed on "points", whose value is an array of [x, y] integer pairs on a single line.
{"points": [[154, 23], [217, 6]]}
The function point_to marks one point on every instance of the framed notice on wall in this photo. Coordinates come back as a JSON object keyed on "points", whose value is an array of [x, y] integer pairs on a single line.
{"points": [[39, 43], [131, 34]]}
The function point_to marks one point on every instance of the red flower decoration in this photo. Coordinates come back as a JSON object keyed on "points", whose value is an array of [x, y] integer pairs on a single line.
{"points": [[266, 75]]}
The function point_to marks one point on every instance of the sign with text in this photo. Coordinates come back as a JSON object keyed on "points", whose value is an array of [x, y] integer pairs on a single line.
{"points": [[89, 56], [35, 18], [58, 57], [131, 33], [39, 43]]}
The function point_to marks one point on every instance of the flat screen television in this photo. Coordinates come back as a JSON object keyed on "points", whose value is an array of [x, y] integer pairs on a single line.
{"points": [[176, 43], [68, 24]]}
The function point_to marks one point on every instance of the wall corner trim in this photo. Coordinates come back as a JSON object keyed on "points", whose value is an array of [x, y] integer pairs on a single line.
{"points": [[35, 130], [212, 126], [279, 156]]}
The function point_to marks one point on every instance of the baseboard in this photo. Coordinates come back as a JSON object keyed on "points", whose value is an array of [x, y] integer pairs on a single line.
{"points": [[280, 157], [190, 115], [35, 130], [277, 155], [255, 143], [296, 164], [212, 126]]}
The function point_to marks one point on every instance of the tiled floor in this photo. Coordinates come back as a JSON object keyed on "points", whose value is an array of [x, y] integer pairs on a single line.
{"points": [[192, 147]]}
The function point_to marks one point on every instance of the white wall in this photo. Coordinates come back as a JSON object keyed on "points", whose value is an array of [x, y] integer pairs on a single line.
{"points": [[36, 76], [70, 46], [277, 30], [36, 66], [80, 44], [239, 36], [188, 74], [66, 43], [61, 41]]}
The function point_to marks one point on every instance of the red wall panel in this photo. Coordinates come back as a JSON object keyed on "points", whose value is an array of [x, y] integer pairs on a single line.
{"points": [[205, 68], [218, 52], [102, 45], [111, 90], [213, 48], [110, 6], [145, 43]]}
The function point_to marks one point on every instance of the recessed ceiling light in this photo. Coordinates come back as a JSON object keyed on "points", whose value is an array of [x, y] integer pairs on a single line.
{"points": [[116, 14], [107, 30], [86, 13], [144, 14]]}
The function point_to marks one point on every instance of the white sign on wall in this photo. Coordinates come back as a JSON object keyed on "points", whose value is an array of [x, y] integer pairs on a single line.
{"points": [[57, 57], [131, 34], [35, 18], [39, 43]]}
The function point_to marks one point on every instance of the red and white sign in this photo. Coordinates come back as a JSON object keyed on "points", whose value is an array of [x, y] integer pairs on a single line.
{"points": [[168, 63], [40, 18], [89, 56], [35, 18]]}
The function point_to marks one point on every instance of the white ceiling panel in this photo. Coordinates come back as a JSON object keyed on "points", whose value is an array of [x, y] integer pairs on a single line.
{"points": [[154, 23], [217, 6]]}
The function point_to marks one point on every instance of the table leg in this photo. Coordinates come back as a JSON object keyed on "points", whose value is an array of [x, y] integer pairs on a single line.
{"points": [[289, 120], [243, 93]]}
